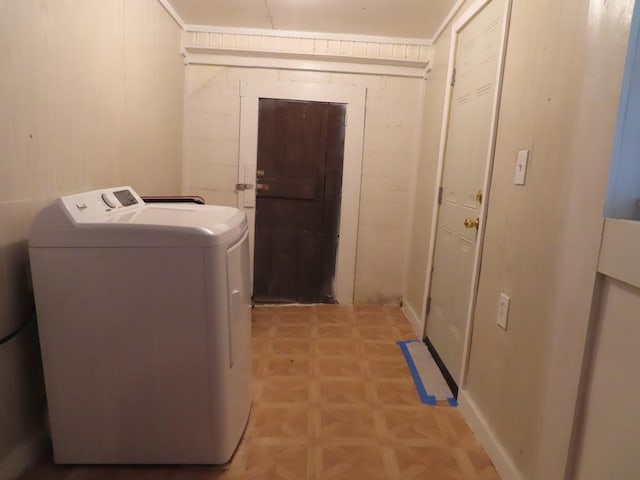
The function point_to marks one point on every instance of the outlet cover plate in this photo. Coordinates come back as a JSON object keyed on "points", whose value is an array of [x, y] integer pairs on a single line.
{"points": [[503, 310]]}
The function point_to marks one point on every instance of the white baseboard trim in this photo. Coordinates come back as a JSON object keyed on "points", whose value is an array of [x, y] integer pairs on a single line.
{"points": [[24, 456], [413, 318], [496, 451]]}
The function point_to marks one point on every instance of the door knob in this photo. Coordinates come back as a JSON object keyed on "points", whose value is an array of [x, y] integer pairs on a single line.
{"points": [[472, 222]]}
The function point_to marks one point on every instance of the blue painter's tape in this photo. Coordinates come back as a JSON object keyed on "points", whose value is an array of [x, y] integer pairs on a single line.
{"points": [[422, 392], [452, 401]]}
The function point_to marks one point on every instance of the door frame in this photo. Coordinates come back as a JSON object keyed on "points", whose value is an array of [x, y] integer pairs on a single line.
{"points": [[354, 98], [458, 25]]}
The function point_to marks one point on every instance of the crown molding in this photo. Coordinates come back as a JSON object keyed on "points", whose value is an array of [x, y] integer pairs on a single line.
{"points": [[314, 35], [289, 62], [261, 47], [307, 35], [266, 48]]}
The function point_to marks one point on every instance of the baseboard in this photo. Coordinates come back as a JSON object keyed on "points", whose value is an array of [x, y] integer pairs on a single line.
{"points": [[496, 451], [413, 318], [24, 456]]}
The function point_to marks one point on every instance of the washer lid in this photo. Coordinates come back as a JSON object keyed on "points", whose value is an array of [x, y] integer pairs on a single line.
{"points": [[83, 220]]}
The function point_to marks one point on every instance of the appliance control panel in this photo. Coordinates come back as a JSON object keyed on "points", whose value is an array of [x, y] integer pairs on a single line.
{"points": [[86, 206]]}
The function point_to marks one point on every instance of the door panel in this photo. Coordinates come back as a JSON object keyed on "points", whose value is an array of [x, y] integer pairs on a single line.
{"points": [[466, 155], [300, 153]]}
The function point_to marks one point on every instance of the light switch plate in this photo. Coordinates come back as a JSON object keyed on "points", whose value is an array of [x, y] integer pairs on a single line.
{"points": [[520, 174], [503, 310]]}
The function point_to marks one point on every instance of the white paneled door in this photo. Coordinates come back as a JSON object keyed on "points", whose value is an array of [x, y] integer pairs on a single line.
{"points": [[468, 149]]}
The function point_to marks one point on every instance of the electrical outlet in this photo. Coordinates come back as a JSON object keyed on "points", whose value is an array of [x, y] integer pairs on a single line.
{"points": [[503, 310]]}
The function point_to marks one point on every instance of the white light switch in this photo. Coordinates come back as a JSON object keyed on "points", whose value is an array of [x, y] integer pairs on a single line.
{"points": [[503, 310], [521, 167]]}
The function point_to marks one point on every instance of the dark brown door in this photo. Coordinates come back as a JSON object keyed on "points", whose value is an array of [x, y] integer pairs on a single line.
{"points": [[299, 181]]}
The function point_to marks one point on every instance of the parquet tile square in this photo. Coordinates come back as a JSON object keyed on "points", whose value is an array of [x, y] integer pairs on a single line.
{"points": [[387, 368], [290, 346], [374, 319], [352, 422], [409, 423], [345, 462], [284, 422], [272, 462], [262, 330], [349, 392], [395, 393], [336, 331], [404, 332], [287, 366], [258, 346], [292, 331], [380, 349], [332, 399], [284, 390], [379, 332], [346, 367], [416, 463], [337, 316], [330, 348]]}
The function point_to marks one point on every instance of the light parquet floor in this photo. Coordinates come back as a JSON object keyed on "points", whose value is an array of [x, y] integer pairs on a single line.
{"points": [[333, 400]]}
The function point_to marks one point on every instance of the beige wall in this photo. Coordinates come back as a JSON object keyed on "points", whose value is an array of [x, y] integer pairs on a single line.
{"points": [[91, 95], [212, 109], [561, 86]]}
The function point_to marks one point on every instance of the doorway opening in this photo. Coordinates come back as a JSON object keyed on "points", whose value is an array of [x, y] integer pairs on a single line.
{"points": [[353, 98], [298, 195]]}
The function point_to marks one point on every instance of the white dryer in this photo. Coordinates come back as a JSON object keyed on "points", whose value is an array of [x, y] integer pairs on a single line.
{"points": [[144, 317]]}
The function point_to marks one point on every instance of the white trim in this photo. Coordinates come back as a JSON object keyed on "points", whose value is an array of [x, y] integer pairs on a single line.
{"points": [[413, 186], [250, 57], [495, 449], [26, 455], [452, 13], [171, 11], [256, 48], [439, 170], [310, 35], [314, 65], [469, 14], [413, 317], [354, 98]]}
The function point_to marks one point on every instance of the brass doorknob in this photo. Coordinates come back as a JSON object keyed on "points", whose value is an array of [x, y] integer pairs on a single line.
{"points": [[471, 222]]}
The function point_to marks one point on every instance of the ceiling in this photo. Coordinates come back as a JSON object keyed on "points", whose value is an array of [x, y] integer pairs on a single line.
{"points": [[389, 18]]}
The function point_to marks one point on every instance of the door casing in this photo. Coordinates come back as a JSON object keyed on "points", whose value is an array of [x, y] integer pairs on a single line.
{"points": [[354, 98], [459, 24]]}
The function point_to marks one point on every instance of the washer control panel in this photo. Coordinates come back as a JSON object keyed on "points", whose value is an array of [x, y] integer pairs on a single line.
{"points": [[89, 205]]}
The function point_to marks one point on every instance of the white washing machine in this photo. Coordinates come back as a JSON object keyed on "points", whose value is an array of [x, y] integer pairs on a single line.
{"points": [[144, 317]]}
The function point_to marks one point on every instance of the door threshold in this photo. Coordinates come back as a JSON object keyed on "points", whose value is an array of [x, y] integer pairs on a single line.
{"points": [[443, 368]]}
